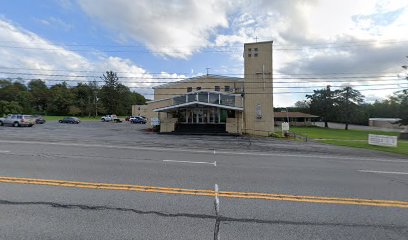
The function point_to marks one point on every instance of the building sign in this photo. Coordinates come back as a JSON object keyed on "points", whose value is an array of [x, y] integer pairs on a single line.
{"points": [[258, 111], [382, 140], [285, 126], [154, 122]]}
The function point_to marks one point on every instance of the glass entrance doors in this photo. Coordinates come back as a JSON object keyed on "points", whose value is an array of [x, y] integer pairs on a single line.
{"points": [[200, 115]]}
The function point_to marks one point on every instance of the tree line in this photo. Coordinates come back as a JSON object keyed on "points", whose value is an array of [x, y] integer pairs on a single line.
{"points": [[84, 99], [347, 106]]}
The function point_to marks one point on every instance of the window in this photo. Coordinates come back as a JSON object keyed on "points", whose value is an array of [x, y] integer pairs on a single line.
{"points": [[249, 49], [217, 88], [249, 55], [231, 113], [189, 89], [256, 49], [256, 55], [198, 88], [226, 88]]}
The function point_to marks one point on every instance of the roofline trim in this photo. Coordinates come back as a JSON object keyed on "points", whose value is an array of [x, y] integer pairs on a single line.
{"points": [[258, 42], [199, 103], [198, 77]]}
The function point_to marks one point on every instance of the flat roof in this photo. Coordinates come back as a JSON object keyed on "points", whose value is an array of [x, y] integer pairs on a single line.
{"points": [[213, 76], [293, 115], [258, 42], [385, 119]]}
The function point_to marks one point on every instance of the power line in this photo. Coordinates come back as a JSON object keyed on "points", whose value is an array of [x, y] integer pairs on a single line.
{"points": [[235, 45], [116, 51], [291, 92], [182, 78], [224, 49], [282, 87], [188, 73], [393, 80], [388, 82]]}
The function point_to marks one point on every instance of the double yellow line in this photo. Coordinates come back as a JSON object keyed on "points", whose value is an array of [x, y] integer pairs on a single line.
{"points": [[207, 193]]}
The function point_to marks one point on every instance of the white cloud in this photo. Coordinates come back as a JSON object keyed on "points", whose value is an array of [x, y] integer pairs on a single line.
{"points": [[314, 37], [28, 50], [137, 78], [314, 31], [55, 23], [66, 4], [168, 28], [26, 53]]}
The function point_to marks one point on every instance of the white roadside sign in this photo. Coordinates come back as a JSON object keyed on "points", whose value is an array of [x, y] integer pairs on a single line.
{"points": [[155, 122], [285, 126], [382, 140]]}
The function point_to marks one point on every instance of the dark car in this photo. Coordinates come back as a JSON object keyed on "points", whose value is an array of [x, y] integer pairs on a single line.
{"points": [[138, 120], [39, 119], [72, 120]]}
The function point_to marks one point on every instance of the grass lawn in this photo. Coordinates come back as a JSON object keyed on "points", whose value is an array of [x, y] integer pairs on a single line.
{"points": [[401, 149], [350, 138]]}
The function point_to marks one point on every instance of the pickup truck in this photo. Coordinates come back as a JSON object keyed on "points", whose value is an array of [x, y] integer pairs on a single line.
{"points": [[17, 120], [110, 118]]}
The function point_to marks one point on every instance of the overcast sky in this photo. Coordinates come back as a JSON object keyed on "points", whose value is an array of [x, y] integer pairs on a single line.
{"points": [[362, 43]]}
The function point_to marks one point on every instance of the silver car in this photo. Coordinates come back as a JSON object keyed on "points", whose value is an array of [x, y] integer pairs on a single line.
{"points": [[17, 120]]}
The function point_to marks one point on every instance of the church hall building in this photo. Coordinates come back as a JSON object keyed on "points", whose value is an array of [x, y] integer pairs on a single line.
{"points": [[218, 104]]}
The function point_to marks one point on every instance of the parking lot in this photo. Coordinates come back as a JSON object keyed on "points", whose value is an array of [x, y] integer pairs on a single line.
{"points": [[127, 134], [41, 167]]}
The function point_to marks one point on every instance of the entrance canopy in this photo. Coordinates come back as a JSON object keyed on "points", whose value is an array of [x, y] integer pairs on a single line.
{"points": [[205, 99]]}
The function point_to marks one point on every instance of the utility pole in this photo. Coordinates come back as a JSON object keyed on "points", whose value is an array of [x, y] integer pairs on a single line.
{"points": [[96, 106], [406, 68]]}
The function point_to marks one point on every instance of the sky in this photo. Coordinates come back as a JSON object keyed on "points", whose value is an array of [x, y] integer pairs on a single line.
{"points": [[358, 43]]}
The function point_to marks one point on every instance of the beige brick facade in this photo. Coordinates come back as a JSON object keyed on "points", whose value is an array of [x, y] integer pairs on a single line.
{"points": [[258, 87], [239, 105]]}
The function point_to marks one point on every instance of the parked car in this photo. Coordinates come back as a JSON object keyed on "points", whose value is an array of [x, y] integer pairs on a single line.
{"points": [[138, 119], [72, 120], [110, 118], [39, 119], [133, 117], [18, 120]]}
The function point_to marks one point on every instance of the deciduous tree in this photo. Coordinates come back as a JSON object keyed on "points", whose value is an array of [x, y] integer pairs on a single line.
{"points": [[109, 94], [348, 101], [40, 95], [322, 104]]}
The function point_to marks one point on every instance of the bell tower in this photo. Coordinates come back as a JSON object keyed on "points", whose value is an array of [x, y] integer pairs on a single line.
{"points": [[258, 88]]}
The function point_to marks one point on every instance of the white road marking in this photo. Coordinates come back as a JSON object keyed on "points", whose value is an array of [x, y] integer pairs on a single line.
{"points": [[177, 161], [216, 200], [372, 171], [248, 153], [4, 151]]}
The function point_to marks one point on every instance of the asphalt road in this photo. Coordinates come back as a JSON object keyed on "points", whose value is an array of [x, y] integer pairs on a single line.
{"points": [[127, 154]]}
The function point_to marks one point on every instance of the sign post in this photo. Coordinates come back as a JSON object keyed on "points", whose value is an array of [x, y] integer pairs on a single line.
{"points": [[285, 128]]}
